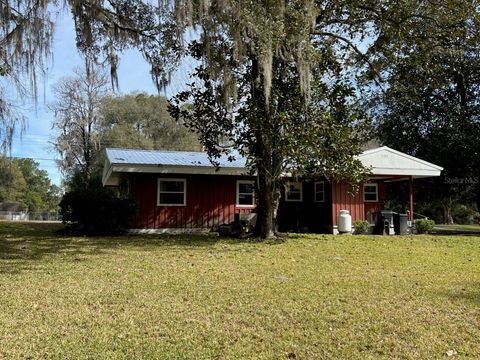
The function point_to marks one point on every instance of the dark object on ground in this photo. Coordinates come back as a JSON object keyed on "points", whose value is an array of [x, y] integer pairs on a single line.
{"points": [[383, 222], [242, 226], [400, 224]]}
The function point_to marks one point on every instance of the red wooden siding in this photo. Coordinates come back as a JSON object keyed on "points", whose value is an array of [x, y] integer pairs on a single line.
{"points": [[342, 200], [371, 207], [359, 210], [210, 201]]}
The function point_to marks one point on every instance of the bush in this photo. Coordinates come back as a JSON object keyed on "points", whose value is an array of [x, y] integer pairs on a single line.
{"points": [[361, 227], [95, 210], [424, 226]]}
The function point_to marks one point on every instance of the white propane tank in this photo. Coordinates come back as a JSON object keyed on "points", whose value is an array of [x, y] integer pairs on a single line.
{"points": [[344, 221]]}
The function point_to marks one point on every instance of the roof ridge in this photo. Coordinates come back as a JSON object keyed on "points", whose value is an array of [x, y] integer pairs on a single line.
{"points": [[159, 151]]}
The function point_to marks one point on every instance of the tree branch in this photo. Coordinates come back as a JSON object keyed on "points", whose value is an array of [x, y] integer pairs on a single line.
{"points": [[377, 77]]}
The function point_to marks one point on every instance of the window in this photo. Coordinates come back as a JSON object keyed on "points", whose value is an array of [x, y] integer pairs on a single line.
{"points": [[370, 192], [293, 191], [245, 193], [319, 191], [171, 192]]}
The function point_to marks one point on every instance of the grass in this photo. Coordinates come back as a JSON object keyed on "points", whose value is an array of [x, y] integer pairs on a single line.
{"points": [[457, 229], [197, 297]]}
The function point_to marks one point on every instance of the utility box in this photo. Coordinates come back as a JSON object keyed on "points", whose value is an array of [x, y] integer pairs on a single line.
{"points": [[400, 224]]}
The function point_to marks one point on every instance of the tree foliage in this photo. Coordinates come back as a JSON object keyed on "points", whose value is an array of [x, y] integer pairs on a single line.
{"points": [[22, 181], [26, 34], [142, 121], [430, 103], [77, 118]]}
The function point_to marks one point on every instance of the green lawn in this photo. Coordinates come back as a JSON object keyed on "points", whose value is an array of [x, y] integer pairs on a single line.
{"points": [[457, 229], [187, 297]]}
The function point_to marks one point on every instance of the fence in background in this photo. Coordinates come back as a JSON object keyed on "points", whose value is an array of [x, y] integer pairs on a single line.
{"points": [[30, 216]]}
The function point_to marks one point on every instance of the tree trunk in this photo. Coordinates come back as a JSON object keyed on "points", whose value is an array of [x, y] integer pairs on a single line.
{"points": [[265, 207], [267, 159], [447, 211]]}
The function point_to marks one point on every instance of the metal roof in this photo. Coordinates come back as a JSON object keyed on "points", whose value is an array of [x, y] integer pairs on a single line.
{"points": [[170, 158], [381, 161]]}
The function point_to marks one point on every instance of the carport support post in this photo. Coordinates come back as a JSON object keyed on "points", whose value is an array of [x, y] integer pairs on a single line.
{"points": [[410, 190]]}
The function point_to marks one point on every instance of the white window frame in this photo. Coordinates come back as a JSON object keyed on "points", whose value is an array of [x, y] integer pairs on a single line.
{"points": [[315, 191], [184, 192], [376, 192], [301, 191], [237, 202]]}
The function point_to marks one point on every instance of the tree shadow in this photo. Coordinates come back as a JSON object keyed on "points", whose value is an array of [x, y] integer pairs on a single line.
{"points": [[469, 293], [22, 245]]}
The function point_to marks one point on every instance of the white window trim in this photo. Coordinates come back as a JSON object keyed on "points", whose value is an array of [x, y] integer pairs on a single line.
{"points": [[315, 192], [237, 202], [376, 192], [184, 191], [301, 191]]}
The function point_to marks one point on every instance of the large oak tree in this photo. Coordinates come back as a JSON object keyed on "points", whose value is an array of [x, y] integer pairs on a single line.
{"points": [[255, 57]]}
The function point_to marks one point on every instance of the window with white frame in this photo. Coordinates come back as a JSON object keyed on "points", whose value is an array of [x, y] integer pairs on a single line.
{"points": [[293, 191], [370, 192], [245, 193], [172, 192], [319, 188]]}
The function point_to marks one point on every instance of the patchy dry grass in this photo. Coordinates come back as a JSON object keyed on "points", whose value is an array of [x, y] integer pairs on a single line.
{"points": [[187, 297]]}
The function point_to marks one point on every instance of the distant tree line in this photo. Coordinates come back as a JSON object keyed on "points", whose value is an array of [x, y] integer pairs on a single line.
{"points": [[23, 182]]}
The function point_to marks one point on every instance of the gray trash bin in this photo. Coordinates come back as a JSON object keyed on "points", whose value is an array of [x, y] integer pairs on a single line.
{"points": [[400, 224]]}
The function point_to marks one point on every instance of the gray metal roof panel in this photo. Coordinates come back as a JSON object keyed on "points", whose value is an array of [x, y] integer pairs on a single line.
{"points": [[172, 158]]}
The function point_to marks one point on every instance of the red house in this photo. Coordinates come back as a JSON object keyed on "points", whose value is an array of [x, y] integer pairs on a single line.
{"points": [[183, 191]]}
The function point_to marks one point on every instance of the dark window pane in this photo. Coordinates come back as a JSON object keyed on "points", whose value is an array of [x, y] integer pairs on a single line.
{"points": [[294, 195], [171, 186], [370, 197], [319, 196], [171, 198], [245, 188], [370, 189], [245, 199]]}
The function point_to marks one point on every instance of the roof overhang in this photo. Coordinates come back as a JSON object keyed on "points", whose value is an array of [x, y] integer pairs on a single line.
{"points": [[113, 172], [385, 162]]}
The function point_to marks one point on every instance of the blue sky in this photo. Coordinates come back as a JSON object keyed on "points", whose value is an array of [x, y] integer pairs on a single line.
{"points": [[133, 75]]}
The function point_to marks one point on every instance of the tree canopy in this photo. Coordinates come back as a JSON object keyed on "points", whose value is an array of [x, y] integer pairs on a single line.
{"points": [[143, 121], [430, 105], [22, 181]]}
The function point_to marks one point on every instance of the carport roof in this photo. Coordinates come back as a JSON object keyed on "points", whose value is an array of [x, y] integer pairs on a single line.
{"points": [[387, 161]]}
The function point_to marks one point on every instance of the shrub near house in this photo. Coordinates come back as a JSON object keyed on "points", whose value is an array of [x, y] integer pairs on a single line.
{"points": [[424, 226], [95, 210]]}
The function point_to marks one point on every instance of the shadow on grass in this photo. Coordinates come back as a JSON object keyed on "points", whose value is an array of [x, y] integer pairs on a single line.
{"points": [[469, 293], [23, 243]]}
